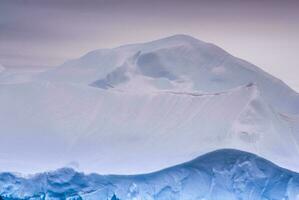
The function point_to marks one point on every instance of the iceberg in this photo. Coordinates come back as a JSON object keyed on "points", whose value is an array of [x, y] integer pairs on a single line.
{"points": [[225, 174]]}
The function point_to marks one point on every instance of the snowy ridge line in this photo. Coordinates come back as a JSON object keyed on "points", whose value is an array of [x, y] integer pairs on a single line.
{"points": [[197, 94], [225, 174], [130, 92]]}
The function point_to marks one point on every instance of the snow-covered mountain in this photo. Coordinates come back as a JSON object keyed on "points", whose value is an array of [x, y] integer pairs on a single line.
{"points": [[159, 103], [180, 63], [220, 175]]}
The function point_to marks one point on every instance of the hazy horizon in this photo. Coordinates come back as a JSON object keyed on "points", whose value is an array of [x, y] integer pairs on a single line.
{"points": [[47, 33]]}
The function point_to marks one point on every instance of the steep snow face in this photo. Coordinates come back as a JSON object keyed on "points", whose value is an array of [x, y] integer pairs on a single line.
{"points": [[220, 175], [179, 63], [106, 131]]}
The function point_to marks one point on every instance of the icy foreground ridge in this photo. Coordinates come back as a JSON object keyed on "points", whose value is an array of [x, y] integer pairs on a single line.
{"points": [[159, 103], [220, 175]]}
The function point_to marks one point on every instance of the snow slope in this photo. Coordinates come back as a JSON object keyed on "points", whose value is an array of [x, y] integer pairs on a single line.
{"points": [[220, 175], [117, 128], [158, 103]]}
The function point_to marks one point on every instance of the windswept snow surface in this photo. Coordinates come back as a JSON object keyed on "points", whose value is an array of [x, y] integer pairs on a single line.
{"points": [[220, 175], [143, 107]]}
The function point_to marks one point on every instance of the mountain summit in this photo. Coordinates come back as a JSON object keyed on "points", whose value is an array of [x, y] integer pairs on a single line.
{"points": [[176, 63]]}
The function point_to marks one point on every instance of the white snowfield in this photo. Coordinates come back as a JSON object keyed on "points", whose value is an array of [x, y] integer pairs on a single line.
{"points": [[143, 107]]}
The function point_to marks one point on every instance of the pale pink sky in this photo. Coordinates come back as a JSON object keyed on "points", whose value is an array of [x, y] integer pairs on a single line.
{"points": [[48, 32]]}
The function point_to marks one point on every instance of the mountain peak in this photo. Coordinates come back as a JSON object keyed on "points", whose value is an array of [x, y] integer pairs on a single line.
{"points": [[181, 37], [179, 62], [176, 40]]}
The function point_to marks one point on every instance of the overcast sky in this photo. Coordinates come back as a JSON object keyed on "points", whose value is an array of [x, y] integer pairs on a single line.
{"points": [[39, 33]]}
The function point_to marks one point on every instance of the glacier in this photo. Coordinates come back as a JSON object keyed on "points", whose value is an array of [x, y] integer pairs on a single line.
{"points": [[220, 175]]}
